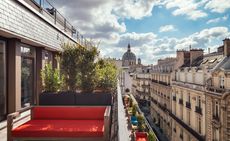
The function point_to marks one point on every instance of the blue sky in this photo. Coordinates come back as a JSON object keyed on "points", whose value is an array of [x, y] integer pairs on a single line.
{"points": [[155, 28]]}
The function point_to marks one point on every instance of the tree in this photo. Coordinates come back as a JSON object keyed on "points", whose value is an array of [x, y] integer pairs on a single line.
{"points": [[106, 73], [70, 63], [52, 79]]}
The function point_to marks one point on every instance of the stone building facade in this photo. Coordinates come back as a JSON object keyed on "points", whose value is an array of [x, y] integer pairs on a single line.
{"points": [[141, 84], [160, 92], [189, 95]]}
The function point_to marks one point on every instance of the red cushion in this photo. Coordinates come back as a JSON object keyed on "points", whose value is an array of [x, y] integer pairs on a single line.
{"points": [[141, 136], [64, 113], [60, 128]]}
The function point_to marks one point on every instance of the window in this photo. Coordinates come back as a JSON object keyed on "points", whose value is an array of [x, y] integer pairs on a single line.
{"points": [[199, 124], [188, 117], [2, 81], [199, 101], [216, 109], [188, 97], [221, 82], [27, 76]]}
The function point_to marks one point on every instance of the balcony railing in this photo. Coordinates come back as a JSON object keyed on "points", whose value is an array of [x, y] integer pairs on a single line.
{"points": [[198, 110], [54, 16], [181, 101], [215, 89], [160, 82], [188, 105]]}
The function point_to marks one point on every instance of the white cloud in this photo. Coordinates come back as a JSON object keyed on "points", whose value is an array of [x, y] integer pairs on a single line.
{"points": [[149, 47], [219, 6], [216, 20], [134, 9], [189, 8], [167, 28]]}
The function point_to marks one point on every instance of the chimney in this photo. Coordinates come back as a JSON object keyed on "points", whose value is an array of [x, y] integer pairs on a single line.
{"points": [[226, 47], [194, 54], [182, 57]]}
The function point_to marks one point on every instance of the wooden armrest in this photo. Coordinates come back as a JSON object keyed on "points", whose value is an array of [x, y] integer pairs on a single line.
{"points": [[107, 123], [10, 122], [107, 111]]}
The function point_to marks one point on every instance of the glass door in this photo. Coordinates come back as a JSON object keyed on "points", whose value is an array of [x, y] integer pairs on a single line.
{"points": [[27, 87], [3, 111]]}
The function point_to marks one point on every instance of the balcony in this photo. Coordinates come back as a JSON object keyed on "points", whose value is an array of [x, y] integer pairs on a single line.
{"points": [[188, 105], [216, 90], [198, 110], [181, 101], [160, 82], [174, 98]]}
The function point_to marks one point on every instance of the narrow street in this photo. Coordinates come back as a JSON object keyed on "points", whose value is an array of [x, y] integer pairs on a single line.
{"points": [[146, 110]]}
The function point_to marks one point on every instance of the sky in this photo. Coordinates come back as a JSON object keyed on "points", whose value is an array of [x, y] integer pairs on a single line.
{"points": [[154, 28]]}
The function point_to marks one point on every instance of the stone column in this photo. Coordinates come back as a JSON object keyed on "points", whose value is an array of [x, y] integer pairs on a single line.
{"points": [[14, 75]]}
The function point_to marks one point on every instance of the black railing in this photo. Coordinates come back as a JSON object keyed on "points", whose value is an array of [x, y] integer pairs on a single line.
{"points": [[198, 110], [59, 19], [187, 127], [181, 101], [188, 105]]}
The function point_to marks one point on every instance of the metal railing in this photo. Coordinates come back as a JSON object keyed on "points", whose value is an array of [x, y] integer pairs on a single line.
{"points": [[47, 9]]}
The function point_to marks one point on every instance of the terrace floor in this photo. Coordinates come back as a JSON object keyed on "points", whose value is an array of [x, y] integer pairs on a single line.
{"points": [[123, 129]]}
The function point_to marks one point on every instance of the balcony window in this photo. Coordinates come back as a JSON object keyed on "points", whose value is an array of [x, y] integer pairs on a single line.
{"points": [[222, 82], [199, 124], [188, 117], [216, 111]]}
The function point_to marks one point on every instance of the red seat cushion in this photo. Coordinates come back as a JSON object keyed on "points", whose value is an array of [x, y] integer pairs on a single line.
{"points": [[60, 128], [66, 113], [141, 136]]}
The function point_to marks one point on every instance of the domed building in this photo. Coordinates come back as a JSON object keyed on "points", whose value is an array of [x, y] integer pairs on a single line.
{"points": [[128, 58]]}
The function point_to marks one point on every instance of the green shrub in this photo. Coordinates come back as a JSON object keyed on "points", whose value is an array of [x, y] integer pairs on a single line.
{"points": [[106, 75], [52, 79], [134, 110], [141, 123], [151, 136]]}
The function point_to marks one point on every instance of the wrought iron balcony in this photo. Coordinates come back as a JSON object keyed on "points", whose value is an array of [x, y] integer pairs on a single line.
{"points": [[188, 105], [198, 110], [181, 101]]}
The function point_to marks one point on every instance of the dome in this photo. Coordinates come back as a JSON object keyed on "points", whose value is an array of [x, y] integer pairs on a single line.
{"points": [[128, 55]]}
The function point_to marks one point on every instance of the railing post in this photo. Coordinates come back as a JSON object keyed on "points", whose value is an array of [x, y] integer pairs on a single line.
{"points": [[55, 15], [65, 24]]}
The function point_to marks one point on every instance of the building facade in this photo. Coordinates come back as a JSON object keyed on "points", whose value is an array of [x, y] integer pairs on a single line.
{"points": [[30, 37], [160, 91], [189, 95]]}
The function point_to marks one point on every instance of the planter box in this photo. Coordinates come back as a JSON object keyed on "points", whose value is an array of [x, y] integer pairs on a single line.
{"points": [[62, 98], [73, 98]]}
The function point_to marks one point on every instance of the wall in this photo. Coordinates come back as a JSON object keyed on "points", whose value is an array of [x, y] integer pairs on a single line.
{"points": [[16, 19]]}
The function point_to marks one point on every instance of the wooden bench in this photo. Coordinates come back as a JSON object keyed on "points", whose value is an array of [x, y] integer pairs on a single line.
{"points": [[78, 123]]}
